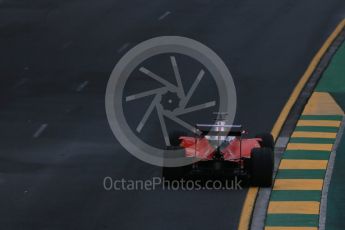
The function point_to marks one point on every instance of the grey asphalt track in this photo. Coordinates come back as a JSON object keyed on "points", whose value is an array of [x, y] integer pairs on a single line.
{"points": [[55, 143]]}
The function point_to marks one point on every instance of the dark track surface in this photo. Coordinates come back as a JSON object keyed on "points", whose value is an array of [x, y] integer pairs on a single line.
{"points": [[48, 48]]}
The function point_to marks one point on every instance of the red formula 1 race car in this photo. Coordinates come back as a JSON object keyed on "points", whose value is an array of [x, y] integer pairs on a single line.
{"points": [[219, 150]]}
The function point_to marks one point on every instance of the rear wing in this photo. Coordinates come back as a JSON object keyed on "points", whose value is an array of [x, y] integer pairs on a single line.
{"points": [[226, 130]]}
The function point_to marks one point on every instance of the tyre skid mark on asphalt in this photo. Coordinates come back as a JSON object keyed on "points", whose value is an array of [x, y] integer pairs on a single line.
{"points": [[123, 47], [40, 130], [82, 86], [164, 15]]}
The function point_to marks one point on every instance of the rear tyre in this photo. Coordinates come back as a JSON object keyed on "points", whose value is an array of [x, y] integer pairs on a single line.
{"points": [[267, 140], [262, 165]]}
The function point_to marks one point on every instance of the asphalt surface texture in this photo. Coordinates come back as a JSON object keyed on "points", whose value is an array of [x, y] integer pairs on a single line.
{"points": [[56, 146]]}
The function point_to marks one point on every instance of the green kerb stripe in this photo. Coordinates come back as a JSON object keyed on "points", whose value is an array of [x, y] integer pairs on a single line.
{"points": [[306, 155], [300, 174], [312, 140], [316, 129], [293, 220], [322, 117], [282, 195]]}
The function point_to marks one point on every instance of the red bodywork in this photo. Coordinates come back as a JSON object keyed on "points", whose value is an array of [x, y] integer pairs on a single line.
{"points": [[202, 149]]}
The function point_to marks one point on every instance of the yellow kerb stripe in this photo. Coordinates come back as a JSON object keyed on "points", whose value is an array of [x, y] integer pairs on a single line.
{"points": [[314, 134], [324, 123], [290, 228], [303, 164], [294, 207], [298, 184], [303, 146], [322, 103]]}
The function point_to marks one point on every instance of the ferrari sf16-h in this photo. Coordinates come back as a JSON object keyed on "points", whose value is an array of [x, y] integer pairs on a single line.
{"points": [[219, 150]]}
